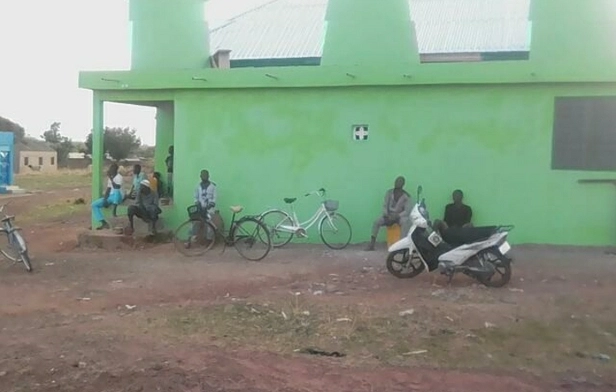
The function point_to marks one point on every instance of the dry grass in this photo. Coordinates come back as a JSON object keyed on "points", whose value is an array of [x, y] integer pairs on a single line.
{"points": [[369, 334], [53, 212], [61, 179]]}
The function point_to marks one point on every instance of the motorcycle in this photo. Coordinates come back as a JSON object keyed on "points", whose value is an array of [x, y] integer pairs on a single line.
{"points": [[478, 252]]}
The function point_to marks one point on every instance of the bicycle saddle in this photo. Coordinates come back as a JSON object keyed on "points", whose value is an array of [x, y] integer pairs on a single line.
{"points": [[236, 209], [290, 200]]}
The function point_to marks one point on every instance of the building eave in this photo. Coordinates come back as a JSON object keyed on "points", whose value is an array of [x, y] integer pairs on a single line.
{"points": [[488, 72]]}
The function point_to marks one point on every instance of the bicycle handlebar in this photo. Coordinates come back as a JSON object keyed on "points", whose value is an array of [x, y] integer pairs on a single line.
{"points": [[320, 192]]}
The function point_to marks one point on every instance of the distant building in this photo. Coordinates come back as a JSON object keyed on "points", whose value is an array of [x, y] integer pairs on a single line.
{"points": [[78, 160], [32, 155]]}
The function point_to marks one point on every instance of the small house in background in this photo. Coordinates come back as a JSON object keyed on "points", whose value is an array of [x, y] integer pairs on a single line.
{"points": [[33, 155], [78, 160]]}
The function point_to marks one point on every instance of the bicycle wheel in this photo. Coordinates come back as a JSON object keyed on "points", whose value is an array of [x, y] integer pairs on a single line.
{"points": [[335, 231], [195, 237], [10, 248], [251, 239], [23, 250], [274, 220]]}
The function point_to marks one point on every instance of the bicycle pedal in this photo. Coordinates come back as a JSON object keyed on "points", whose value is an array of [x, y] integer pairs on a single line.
{"points": [[301, 233]]}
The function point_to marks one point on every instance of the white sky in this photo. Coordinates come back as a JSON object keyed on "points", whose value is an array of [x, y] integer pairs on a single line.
{"points": [[45, 43]]}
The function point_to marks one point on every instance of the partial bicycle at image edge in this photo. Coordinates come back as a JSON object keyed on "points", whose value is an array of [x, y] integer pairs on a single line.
{"points": [[283, 226], [17, 249], [199, 234]]}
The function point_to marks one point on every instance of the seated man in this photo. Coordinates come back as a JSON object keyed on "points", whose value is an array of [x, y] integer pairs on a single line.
{"points": [[145, 207], [205, 197], [457, 214], [396, 209], [112, 197]]}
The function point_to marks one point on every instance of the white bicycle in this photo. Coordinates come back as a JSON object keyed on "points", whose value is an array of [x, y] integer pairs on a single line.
{"points": [[17, 249], [334, 229]]}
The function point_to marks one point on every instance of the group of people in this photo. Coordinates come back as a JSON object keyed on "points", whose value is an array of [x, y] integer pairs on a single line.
{"points": [[143, 191], [397, 207], [145, 194]]}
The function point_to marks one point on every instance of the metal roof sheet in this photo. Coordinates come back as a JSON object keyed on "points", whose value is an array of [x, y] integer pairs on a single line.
{"points": [[296, 28]]}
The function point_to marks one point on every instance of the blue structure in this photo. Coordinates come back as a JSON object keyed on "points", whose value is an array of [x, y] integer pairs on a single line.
{"points": [[7, 152]]}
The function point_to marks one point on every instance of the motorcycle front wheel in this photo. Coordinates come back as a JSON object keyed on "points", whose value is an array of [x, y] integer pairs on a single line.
{"points": [[403, 266], [502, 267]]}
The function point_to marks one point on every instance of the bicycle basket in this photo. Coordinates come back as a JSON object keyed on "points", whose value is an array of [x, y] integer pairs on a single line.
{"points": [[331, 205], [194, 212]]}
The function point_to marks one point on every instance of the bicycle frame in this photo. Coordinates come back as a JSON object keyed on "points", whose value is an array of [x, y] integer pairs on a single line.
{"points": [[301, 227]]}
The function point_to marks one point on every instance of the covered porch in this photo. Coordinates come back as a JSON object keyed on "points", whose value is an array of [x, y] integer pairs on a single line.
{"points": [[164, 105]]}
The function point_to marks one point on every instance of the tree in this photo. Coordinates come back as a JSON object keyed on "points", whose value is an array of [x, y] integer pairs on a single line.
{"points": [[62, 144], [118, 142], [7, 125], [146, 151]]}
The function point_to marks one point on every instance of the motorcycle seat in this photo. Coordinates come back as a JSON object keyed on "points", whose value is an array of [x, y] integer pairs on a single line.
{"points": [[458, 236]]}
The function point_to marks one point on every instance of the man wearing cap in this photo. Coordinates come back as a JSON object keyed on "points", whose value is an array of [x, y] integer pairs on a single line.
{"points": [[145, 207]]}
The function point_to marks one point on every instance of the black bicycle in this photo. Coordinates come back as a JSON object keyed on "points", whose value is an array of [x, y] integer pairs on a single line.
{"points": [[199, 234]]}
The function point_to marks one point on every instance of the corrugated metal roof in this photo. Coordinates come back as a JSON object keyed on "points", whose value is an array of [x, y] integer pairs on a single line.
{"points": [[296, 28]]}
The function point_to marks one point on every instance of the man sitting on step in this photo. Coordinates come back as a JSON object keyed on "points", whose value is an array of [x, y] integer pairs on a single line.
{"points": [[145, 208], [396, 210]]}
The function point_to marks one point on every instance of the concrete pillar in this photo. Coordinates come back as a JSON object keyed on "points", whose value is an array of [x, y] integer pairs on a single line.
{"points": [[369, 32], [98, 157], [169, 34], [573, 33]]}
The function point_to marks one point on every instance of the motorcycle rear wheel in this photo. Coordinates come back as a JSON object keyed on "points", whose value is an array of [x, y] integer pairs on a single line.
{"points": [[502, 266], [396, 264]]}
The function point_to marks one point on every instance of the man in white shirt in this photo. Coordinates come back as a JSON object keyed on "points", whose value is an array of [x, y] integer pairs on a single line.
{"points": [[205, 197], [205, 194]]}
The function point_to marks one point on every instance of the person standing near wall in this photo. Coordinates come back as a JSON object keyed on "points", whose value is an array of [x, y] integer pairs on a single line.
{"points": [[169, 163]]}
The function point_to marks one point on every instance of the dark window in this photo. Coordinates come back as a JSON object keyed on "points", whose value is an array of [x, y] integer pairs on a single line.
{"points": [[26, 161], [40, 161], [53, 161], [584, 135]]}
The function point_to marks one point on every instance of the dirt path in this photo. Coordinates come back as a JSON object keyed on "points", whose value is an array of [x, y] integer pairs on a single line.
{"points": [[156, 321]]}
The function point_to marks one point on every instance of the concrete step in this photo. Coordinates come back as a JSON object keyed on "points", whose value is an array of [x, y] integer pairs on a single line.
{"points": [[115, 239]]}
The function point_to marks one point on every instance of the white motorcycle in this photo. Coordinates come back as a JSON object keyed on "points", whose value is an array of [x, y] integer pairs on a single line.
{"points": [[477, 252]]}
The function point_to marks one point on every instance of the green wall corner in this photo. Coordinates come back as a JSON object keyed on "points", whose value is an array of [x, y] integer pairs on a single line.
{"points": [[169, 34]]}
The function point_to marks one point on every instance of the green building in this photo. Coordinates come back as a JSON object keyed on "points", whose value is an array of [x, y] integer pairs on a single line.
{"points": [[513, 102]]}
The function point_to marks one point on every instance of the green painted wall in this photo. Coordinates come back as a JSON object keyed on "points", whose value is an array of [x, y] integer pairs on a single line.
{"points": [[494, 142]]}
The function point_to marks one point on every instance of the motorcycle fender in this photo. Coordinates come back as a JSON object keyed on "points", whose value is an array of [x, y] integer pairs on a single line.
{"points": [[405, 243]]}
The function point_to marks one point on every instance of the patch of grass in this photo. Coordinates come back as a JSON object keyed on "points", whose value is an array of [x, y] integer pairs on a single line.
{"points": [[52, 212], [62, 179], [370, 334]]}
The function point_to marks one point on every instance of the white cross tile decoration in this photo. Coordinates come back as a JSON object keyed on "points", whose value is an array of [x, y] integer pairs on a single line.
{"points": [[360, 132]]}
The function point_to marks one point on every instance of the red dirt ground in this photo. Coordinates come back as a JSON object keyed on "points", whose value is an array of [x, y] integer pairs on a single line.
{"points": [[67, 327]]}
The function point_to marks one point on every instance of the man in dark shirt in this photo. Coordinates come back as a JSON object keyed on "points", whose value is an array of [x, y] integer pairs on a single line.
{"points": [[458, 214], [145, 208], [169, 164]]}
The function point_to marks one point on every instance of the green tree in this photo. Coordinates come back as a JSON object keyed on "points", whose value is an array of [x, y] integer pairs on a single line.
{"points": [[118, 142], [62, 144], [7, 125]]}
